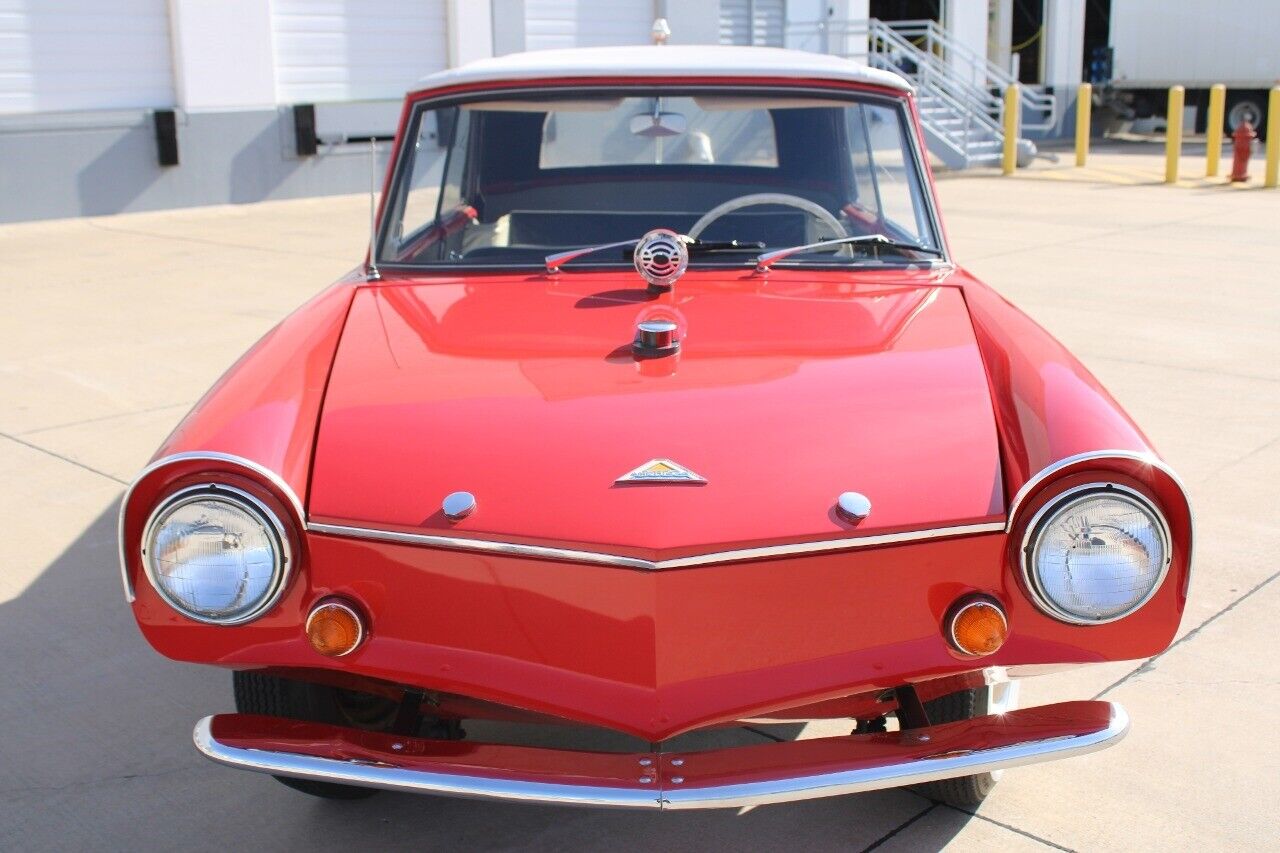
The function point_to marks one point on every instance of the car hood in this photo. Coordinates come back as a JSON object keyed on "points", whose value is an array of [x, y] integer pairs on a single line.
{"points": [[787, 392]]}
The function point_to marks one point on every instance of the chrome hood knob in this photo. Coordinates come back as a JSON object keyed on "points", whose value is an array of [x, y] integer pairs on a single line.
{"points": [[655, 338]]}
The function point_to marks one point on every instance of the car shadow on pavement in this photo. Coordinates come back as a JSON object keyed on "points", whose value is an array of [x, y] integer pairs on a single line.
{"points": [[95, 751]]}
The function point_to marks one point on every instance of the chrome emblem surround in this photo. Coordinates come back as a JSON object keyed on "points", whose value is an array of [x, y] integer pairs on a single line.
{"points": [[661, 257], [660, 471]]}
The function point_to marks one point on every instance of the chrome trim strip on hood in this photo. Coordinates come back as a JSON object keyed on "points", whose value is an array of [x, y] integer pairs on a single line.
{"points": [[516, 549]]}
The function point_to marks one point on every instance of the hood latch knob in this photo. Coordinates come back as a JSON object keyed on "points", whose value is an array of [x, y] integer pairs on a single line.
{"points": [[655, 338]]}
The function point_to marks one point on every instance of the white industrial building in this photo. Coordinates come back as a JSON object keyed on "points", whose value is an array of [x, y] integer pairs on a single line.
{"points": [[145, 104]]}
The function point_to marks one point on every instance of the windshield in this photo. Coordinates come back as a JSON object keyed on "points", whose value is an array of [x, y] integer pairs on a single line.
{"points": [[506, 182]]}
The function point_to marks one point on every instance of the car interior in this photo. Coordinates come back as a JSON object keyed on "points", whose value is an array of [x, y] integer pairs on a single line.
{"points": [[512, 182]]}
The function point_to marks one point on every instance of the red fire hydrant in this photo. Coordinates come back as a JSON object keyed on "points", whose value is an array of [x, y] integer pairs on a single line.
{"points": [[1242, 147]]}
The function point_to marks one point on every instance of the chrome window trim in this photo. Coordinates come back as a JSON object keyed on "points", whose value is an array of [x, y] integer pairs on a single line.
{"points": [[195, 456], [422, 101], [283, 562], [516, 549], [1059, 503], [668, 795]]}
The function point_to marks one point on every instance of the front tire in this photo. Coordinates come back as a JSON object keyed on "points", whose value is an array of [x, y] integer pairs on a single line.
{"points": [[272, 696], [967, 792]]}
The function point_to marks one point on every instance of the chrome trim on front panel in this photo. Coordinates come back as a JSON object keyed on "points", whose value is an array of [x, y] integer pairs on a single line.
{"points": [[1060, 502], [209, 456], [1153, 461], [1096, 455], [837, 783], [515, 549]]}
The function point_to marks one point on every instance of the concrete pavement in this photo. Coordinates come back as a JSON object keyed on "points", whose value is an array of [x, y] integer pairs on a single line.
{"points": [[114, 326]]}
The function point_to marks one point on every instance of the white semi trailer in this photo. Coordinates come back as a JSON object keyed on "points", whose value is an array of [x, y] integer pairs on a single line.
{"points": [[1196, 43]]}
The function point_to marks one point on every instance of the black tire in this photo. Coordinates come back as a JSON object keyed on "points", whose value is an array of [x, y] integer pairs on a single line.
{"points": [[1251, 104], [258, 693], [963, 792]]}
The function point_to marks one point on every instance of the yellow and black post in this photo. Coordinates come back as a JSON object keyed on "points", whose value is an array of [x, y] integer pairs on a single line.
{"points": [[1009, 161], [1173, 134], [1213, 128], [1084, 107], [1273, 139]]}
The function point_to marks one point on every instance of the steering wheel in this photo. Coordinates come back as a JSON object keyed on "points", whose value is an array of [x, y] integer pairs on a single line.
{"points": [[816, 210]]}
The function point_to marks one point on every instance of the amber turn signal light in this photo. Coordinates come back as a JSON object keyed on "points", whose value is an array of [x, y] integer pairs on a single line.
{"points": [[335, 629], [977, 627]]}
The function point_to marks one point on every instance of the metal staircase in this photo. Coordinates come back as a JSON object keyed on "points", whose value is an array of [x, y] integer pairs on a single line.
{"points": [[960, 94]]}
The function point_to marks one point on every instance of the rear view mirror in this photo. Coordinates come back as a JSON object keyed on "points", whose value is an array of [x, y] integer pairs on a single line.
{"points": [[658, 124]]}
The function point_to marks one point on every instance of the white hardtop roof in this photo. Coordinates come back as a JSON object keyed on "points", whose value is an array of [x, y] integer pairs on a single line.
{"points": [[664, 61]]}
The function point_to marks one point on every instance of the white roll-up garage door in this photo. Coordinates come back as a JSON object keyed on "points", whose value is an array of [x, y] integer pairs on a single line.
{"points": [[757, 22], [586, 23], [337, 50], [84, 55]]}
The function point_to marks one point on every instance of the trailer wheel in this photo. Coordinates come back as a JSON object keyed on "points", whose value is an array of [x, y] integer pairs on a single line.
{"points": [[1251, 106]]}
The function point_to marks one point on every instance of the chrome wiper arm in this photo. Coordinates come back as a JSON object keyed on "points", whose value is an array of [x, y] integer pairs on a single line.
{"points": [[559, 259], [768, 259]]}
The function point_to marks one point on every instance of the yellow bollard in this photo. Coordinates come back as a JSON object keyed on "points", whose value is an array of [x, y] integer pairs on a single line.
{"points": [[1084, 106], [1173, 135], [1213, 127], [1273, 139], [1009, 161]]}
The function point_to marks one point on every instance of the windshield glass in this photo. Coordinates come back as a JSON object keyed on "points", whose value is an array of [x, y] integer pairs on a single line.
{"points": [[505, 182]]}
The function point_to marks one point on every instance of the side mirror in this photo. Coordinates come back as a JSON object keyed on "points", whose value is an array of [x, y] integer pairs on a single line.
{"points": [[657, 125]]}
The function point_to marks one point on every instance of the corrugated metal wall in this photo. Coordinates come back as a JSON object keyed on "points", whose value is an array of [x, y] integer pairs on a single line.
{"points": [[335, 50], [586, 23], [753, 22], [84, 55]]}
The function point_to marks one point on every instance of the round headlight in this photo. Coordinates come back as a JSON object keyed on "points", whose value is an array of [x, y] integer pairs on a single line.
{"points": [[216, 554], [1096, 554]]}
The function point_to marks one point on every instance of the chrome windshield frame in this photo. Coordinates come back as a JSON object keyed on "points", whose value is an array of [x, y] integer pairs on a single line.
{"points": [[401, 163]]}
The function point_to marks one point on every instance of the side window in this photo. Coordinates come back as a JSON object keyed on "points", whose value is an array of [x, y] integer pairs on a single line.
{"points": [[860, 155], [883, 164], [435, 175]]}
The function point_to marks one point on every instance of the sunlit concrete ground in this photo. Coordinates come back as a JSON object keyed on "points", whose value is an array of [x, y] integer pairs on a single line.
{"points": [[112, 327]]}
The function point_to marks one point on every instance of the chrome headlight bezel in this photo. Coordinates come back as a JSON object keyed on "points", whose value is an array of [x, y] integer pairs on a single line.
{"points": [[1063, 503], [241, 500]]}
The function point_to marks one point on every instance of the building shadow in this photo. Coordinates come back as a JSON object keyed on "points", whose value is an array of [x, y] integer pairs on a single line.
{"points": [[124, 170], [96, 751]]}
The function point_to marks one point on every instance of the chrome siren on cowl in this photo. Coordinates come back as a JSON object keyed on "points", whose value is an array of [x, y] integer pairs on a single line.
{"points": [[661, 257]]}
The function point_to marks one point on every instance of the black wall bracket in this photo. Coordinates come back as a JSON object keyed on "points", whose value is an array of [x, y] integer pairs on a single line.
{"points": [[166, 122]]}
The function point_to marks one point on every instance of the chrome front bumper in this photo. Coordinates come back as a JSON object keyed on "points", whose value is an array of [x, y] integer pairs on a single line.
{"points": [[721, 778]]}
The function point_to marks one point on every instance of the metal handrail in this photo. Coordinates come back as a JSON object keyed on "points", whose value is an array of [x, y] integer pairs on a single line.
{"points": [[938, 40], [960, 115]]}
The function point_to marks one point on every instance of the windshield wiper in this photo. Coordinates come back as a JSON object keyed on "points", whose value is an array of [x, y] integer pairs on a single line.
{"points": [[695, 246], [876, 241], [559, 259]]}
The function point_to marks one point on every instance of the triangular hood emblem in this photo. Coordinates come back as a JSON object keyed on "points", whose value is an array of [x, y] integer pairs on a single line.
{"points": [[660, 471]]}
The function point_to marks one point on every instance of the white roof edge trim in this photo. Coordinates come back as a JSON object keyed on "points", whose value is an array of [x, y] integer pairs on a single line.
{"points": [[665, 60]]}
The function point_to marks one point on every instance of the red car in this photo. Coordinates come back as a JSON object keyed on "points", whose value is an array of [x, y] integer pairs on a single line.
{"points": [[658, 406]]}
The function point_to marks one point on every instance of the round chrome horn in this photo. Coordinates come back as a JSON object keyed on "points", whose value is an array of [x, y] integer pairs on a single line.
{"points": [[661, 257]]}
